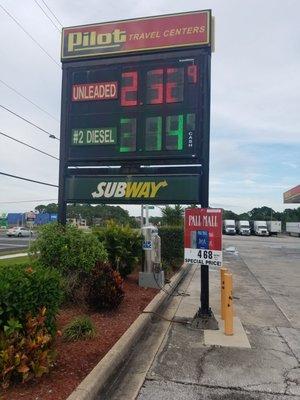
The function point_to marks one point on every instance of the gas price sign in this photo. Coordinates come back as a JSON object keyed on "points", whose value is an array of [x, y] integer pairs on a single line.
{"points": [[137, 111], [152, 107]]}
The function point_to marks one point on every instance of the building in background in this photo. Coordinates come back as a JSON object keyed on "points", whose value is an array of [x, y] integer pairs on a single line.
{"points": [[20, 219]]}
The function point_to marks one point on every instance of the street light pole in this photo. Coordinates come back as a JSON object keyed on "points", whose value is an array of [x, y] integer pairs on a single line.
{"points": [[147, 214]]}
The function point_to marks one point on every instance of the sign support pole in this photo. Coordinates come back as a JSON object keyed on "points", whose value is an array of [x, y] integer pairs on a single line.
{"points": [[62, 205], [205, 313], [204, 310]]}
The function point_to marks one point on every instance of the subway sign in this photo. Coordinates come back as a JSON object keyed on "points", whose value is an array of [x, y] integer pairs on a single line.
{"points": [[122, 189], [137, 35]]}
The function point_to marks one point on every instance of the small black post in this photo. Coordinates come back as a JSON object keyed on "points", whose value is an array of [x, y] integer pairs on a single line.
{"points": [[204, 297]]}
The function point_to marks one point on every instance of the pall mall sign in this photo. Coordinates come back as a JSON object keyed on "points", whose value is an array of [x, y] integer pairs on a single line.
{"points": [[203, 236], [141, 34]]}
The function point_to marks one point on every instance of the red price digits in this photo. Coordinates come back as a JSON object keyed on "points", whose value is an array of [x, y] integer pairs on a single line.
{"points": [[192, 73], [174, 85], [155, 86], [129, 88]]}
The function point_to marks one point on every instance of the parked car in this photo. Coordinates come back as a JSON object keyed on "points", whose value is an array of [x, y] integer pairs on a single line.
{"points": [[18, 231]]}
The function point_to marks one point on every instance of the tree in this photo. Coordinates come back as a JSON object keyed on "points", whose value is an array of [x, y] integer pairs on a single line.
{"points": [[41, 208], [172, 216], [52, 208], [262, 213], [155, 220], [227, 214]]}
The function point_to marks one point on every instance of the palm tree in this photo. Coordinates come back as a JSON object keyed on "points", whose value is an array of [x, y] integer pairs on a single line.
{"points": [[172, 216]]}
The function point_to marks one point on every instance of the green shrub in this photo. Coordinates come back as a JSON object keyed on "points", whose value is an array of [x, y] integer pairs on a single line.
{"points": [[123, 244], [24, 290], [26, 351], [105, 288], [67, 249], [172, 246], [80, 328]]}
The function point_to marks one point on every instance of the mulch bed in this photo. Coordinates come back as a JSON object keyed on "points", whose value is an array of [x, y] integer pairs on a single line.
{"points": [[75, 360]]}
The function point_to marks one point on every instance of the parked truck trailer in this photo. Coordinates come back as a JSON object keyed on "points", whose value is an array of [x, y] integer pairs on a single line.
{"points": [[259, 228], [243, 227], [229, 227], [274, 227], [293, 228]]}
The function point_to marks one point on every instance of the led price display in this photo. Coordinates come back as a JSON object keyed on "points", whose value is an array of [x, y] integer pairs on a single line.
{"points": [[144, 110]]}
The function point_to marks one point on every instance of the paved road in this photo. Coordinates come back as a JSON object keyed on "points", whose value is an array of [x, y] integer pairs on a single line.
{"points": [[266, 275], [11, 243]]}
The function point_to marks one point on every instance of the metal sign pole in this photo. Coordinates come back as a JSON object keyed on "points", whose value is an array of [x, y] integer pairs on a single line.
{"points": [[142, 215], [205, 310], [62, 205], [147, 214]]}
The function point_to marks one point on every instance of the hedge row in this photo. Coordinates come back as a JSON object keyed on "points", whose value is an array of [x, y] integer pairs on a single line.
{"points": [[172, 248], [30, 296], [25, 290]]}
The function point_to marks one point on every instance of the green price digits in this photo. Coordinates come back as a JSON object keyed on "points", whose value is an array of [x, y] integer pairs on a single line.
{"points": [[159, 133]]}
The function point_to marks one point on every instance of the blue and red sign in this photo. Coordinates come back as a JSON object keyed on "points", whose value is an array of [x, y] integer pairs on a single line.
{"points": [[203, 236]]}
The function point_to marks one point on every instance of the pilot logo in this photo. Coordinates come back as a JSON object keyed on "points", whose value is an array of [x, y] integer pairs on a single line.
{"points": [[130, 190], [82, 41]]}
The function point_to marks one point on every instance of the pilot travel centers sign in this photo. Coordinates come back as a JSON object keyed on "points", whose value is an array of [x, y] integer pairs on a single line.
{"points": [[141, 34], [203, 236], [136, 92]]}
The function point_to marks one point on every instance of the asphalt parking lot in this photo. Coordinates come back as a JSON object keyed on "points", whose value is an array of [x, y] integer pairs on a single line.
{"points": [[266, 281], [275, 263]]}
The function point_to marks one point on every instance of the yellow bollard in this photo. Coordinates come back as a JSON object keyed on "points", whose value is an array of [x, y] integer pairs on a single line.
{"points": [[223, 271], [228, 321]]}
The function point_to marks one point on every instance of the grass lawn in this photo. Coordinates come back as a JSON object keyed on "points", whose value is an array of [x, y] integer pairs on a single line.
{"points": [[16, 260]]}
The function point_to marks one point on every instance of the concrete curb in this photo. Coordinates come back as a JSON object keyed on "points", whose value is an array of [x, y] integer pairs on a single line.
{"points": [[96, 380], [8, 256]]}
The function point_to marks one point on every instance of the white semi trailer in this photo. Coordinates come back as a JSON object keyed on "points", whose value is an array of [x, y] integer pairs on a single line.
{"points": [[229, 227], [243, 227], [259, 228], [274, 227], [293, 228]]}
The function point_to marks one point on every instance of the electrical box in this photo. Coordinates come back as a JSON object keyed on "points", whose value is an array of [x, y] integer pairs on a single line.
{"points": [[151, 274]]}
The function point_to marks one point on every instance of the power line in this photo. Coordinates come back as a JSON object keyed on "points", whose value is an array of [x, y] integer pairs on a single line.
{"points": [[26, 98], [28, 34], [29, 122], [25, 201], [28, 145], [44, 12], [28, 180], [52, 13]]}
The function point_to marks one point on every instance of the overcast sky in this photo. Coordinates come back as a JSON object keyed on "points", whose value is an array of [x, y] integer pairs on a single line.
{"points": [[255, 118]]}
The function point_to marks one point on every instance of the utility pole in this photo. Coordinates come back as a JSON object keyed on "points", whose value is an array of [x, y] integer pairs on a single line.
{"points": [[147, 214], [142, 215]]}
